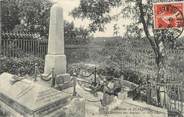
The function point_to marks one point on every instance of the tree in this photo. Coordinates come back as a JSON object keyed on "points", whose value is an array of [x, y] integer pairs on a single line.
{"points": [[75, 35], [116, 30], [98, 12], [141, 11], [26, 16], [32, 16], [76, 40]]}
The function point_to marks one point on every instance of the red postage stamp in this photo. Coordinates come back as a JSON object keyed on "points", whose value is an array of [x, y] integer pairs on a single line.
{"points": [[168, 15]]}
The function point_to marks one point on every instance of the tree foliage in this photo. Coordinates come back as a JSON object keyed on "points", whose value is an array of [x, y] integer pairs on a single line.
{"points": [[26, 16], [140, 11], [32, 16], [76, 36], [96, 11]]}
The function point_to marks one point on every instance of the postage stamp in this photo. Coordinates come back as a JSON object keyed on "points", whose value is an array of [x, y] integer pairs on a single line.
{"points": [[168, 15]]}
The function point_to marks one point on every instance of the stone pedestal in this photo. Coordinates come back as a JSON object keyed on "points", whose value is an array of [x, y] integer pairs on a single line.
{"points": [[58, 62], [56, 58], [63, 81]]}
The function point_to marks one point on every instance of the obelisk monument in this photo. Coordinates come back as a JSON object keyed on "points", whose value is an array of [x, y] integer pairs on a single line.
{"points": [[55, 57]]}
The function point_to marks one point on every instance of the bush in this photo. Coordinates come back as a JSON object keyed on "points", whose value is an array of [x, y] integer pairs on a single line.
{"points": [[103, 69], [132, 76], [23, 66]]}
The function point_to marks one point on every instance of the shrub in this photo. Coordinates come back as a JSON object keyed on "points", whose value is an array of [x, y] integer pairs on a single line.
{"points": [[23, 66]]}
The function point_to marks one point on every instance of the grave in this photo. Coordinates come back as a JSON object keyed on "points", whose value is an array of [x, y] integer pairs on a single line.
{"points": [[27, 98]]}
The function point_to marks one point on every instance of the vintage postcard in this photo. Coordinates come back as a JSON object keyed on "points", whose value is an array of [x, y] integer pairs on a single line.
{"points": [[91, 58]]}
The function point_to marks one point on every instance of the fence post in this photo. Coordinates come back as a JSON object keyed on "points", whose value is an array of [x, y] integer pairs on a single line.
{"points": [[181, 100], [74, 84]]}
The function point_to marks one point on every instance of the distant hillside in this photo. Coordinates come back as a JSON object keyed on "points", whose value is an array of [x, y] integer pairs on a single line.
{"points": [[101, 41], [135, 54]]}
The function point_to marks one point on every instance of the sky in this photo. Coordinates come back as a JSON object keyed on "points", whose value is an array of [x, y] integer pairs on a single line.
{"points": [[69, 5]]}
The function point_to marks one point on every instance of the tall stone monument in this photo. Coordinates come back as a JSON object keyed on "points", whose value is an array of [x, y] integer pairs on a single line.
{"points": [[56, 58]]}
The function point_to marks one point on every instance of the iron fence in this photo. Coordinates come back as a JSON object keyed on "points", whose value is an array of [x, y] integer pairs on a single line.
{"points": [[18, 47], [19, 44]]}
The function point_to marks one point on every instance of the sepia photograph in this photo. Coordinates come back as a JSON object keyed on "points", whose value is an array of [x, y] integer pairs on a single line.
{"points": [[91, 58]]}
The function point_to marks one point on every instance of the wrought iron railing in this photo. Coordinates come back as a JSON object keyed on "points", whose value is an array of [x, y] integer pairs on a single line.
{"points": [[17, 44]]}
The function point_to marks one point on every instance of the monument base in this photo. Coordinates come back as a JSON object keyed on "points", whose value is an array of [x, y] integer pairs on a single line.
{"points": [[63, 81], [58, 62]]}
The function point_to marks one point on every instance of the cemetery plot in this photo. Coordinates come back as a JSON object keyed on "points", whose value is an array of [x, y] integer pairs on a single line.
{"points": [[29, 97]]}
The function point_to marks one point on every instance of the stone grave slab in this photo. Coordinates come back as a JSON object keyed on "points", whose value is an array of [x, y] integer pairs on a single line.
{"points": [[30, 98]]}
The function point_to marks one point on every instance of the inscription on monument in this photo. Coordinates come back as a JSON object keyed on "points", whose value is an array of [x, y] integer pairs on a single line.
{"points": [[24, 91], [47, 96]]}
